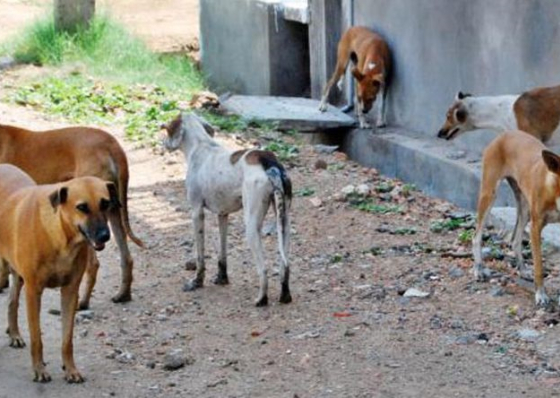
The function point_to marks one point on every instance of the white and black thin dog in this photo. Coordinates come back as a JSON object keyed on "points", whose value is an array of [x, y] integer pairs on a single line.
{"points": [[223, 182]]}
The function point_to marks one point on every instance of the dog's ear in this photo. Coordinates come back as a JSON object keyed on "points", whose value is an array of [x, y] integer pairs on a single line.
{"points": [[58, 197], [551, 160], [357, 74], [461, 95], [207, 126], [113, 195]]}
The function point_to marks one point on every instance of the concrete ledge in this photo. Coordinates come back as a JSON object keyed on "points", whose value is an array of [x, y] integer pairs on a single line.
{"points": [[504, 218], [296, 11], [424, 162]]}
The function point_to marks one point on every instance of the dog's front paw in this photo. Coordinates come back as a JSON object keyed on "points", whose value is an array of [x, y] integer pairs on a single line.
{"points": [[381, 124], [221, 278], [42, 376], [73, 376], [262, 301], [323, 107], [365, 125], [541, 298], [193, 284], [83, 305], [122, 297], [285, 296], [17, 342]]}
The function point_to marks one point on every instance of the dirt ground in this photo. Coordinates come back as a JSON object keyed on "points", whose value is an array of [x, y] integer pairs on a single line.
{"points": [[349, 333]]}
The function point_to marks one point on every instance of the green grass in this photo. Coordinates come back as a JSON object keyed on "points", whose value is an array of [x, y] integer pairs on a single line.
{"points": [[103, 75], [106, 50], [140, 108], [285, 151], [370, 205], [305, 191]]}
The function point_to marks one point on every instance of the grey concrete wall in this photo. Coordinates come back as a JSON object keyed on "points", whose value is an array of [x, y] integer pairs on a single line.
{"points": [[248, 48], [479, 46]]}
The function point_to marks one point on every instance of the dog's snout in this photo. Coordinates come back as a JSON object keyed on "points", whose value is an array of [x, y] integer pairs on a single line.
{"points": [[442, 133], [103, 235]]}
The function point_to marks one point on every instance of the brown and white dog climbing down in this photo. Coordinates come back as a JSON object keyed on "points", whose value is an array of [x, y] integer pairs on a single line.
{"points": [[47, 237], [371, 64], [536, 112], [533, 172], [223, 182], [58, 155]]}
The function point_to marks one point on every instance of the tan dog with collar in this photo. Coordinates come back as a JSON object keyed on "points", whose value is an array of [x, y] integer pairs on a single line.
{"points": [[46, 238], [371, 60], [58, 155]]}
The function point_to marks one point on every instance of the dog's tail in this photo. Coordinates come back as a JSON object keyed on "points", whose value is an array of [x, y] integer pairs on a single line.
{"points": [[121, 165], [282, 196]]}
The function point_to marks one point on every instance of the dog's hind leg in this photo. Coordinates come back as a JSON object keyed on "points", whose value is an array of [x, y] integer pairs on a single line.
{"points": [[518, 197], [221, 277], [16, 341], [91, 278], [486, 198], [255, 205], [338, 75], [127, 264], [517, 245], [198, 222], [281, 206]]}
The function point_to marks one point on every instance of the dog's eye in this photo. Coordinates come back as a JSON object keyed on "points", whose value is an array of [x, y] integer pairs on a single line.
{"points": [[104, 205], [83, 207]]}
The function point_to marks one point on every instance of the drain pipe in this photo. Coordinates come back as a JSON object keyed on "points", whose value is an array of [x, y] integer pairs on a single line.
{"points": [[350, 99]]}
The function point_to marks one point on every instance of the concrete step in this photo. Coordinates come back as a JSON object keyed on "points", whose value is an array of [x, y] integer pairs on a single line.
{"points": [[288, 112], [504, 218], [429, 163]]}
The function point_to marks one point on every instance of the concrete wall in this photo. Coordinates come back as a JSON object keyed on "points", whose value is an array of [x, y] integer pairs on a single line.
{"points": [[248, 48], [478, 46]]}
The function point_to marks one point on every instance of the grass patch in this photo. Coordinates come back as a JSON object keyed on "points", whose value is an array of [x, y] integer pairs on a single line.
{"points": [[140, 108], [370, 205], [303, 192], [285, 151], [235, 123], [105, 76], [106, 50]]}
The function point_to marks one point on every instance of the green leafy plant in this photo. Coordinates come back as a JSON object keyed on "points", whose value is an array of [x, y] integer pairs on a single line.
{"points": [[283, 150], [306, 191], [368, 204]]}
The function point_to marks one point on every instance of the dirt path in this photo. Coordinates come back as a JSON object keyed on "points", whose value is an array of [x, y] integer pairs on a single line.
{"points": [[165, 25], [349, 333]]}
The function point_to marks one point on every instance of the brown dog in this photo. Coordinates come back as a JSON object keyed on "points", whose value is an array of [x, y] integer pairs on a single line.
{"points": [[58, 155], [371, 61], [534, 174], [46, 236]]}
